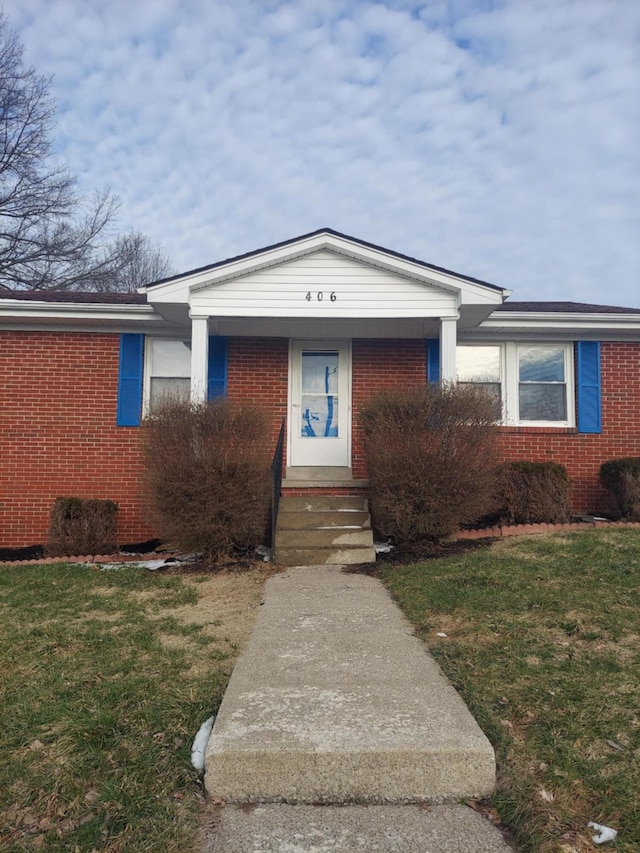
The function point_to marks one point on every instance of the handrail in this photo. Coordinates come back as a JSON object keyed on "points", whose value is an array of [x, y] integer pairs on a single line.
{"points": [[276, 485]]}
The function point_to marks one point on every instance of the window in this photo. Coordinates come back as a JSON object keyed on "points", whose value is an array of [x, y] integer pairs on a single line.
{"points": [[152, 369], [168, 371], [542, 390], [481, 365], [533, 382]]}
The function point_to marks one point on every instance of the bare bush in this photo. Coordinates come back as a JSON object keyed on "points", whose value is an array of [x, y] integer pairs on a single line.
{"points": [[82, 526], [622, 478], [532, 493], [431, 453], [208, 474]]}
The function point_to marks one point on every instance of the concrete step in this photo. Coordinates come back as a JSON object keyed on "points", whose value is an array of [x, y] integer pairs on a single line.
{"points": [[306, 474], [347, 555], [320, 520], [335, 701], [331, 537], [324, 529], [319, 503], [276, 828]]}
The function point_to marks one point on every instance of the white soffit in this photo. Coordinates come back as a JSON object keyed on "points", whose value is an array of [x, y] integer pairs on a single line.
{"points": [[527, 322], [17, 309]]}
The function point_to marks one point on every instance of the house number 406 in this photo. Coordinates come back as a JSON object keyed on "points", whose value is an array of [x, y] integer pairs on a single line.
{"points": [[319, 296]]}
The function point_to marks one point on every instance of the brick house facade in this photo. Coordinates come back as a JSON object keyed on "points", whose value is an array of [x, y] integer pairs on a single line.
{"points": [[309, 329]]}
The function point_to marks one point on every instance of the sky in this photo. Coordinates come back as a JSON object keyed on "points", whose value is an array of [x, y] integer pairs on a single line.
{"points": [[496, 138]]}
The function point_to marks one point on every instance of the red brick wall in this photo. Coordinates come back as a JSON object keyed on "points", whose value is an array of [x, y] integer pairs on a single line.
{"points": [[58, 425], [381, 364], [583, 454], [59, 435], [258, 372], [378, 364]]}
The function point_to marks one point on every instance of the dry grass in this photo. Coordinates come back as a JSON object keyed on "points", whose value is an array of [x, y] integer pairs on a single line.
{"points": [[106, 678]]}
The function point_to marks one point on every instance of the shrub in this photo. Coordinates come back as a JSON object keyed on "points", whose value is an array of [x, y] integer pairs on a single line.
{"points": [[431, 453], [208, 474], [622, 478], [532, 493], [82, 526]]}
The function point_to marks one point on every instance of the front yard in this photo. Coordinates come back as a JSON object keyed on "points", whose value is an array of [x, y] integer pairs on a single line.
{"points": [[543, 641], [105, 677]]}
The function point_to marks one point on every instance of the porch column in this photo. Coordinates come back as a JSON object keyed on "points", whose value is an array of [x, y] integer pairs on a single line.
{"points": [[199, 358], [448, 339]]}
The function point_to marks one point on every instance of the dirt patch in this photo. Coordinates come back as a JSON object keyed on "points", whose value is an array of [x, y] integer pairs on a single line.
{"points": [[418, 553], [107, 591], [458, 628], [227, 604], [421, 551], [226, 610], [146, 595]]}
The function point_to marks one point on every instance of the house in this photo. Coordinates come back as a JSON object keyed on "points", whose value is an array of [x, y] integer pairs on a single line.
{"points": [[309, 328]]}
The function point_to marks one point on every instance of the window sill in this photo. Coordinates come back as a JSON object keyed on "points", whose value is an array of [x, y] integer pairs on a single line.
{"points": [[539, 430]]}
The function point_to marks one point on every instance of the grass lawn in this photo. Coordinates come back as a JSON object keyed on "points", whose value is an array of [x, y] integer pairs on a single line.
{"points": [[105, 677], [543, 642]]}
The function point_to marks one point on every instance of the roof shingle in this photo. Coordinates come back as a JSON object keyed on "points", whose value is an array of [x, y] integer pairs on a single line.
{"points": [[563, 308], [74, 297]]}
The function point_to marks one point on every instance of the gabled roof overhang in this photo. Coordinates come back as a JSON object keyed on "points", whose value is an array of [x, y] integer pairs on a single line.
{"points": [[202, 290]]}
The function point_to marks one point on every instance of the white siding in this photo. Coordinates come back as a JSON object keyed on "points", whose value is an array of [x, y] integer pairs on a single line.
{"points": [[303, 288]]}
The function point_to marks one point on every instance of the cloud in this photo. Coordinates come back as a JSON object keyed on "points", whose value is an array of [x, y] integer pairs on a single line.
{"points": [[497, 139]]}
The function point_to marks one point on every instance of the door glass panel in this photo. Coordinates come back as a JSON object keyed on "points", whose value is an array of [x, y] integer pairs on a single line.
{"points": [[319, 401]]}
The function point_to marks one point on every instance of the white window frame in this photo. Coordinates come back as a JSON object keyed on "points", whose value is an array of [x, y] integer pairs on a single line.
{"points": [[148, 367], [510, 391]]}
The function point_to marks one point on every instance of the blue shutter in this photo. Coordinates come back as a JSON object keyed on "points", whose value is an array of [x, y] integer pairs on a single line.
{"points": [[130, 380], [217, 385], [433, 360], [588, 390]]}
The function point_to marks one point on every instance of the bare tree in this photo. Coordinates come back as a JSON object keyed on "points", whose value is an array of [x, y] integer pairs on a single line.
{"points": [[50, 238], [140, 263]]}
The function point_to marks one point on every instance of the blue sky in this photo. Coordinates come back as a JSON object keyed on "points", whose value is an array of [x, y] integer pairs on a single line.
{"points": [[498, 138]]}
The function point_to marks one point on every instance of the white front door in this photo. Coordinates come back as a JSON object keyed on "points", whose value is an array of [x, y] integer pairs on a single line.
{"points": [[320, 404]]}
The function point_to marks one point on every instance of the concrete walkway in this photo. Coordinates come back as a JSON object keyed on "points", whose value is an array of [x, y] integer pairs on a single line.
{"points": [[335, 702]]}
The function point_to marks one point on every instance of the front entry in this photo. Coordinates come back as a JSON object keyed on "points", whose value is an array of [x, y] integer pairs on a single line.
{"points": [[320, 404]]}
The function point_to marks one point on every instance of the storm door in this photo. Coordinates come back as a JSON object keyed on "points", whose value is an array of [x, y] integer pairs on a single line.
{"points": [[319, 411]]}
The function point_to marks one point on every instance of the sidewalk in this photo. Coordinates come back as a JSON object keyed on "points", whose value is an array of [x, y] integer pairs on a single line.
{"points": [[335, 702]]}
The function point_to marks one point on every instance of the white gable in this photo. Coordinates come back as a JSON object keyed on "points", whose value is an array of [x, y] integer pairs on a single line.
{"points": [[323, 284], [327, 276]]}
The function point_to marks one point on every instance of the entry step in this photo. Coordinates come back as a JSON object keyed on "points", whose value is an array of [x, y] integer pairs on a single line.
{"points": [[324, 530], [301, 477]]}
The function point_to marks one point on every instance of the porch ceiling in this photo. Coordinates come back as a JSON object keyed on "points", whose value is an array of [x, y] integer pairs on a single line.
{"points": [[339, 328], [324, 327]]}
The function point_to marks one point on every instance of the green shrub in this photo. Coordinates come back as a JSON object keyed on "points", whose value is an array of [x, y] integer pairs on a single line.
{"points": [[208, 475], [532, 493], [622, 478], [431, 452], [82, 526]]}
